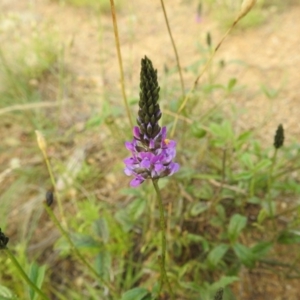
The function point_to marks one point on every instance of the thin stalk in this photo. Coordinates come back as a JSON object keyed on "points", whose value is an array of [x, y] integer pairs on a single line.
{"points": [[61, 211], [163, 275], [174, 47], [114, 19], [287, 211], [208, 62], [293, 266], [270, 181], [217, 197], [12, 77], [60, 94], [24, 275], [76, 251], [252, 185]]}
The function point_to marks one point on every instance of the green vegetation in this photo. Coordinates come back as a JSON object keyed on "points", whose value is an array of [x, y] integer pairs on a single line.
{"points": [[223, 209]]}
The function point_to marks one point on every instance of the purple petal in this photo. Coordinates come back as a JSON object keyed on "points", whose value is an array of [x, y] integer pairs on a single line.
{"points": [[151, 144], [164, 133], [159, 168], [130, 161], [129, 146], [171, 144], [136, 132], [148, 155], [137, 181], [128, 171], [174, 167], [145, 163]]}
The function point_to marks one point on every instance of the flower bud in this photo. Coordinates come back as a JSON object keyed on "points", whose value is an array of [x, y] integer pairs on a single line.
{"points": [[245, 8], [279, 137]]}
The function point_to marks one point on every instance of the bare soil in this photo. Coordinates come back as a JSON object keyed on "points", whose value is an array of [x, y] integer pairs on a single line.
{"points": [[270, 54]]}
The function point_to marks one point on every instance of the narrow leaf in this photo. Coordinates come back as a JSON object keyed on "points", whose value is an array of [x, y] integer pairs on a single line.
{"points": [[136, 294], [236, 225]]}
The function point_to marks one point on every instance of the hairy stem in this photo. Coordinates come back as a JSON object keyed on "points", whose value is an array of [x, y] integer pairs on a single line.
{"points": [[163, 275]]}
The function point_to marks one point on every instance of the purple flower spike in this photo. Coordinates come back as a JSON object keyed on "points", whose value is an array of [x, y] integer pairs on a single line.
{"points": [[152, 154]]}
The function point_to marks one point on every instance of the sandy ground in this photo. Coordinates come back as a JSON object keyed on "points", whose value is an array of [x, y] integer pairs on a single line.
{"points": [[270, 56]]}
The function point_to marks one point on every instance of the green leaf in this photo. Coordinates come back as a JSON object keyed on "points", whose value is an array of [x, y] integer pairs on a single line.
{"points": [[6, 294], [194, 238], [198, 208], [270, 92], [243, 176], [232, 82], [136, 294], [94, 121], [236, 225], [262, 216], [223, 282], [247, 160], [124, 219], [261, 249], [221, 212], [288, 237], [207, 88], [84, 241], [103, 264], [101, 228], [136, 208], [36, 274], [131, 192], [242, 139], [216, 254], [245, 255], [197, 130], [262, 164]]}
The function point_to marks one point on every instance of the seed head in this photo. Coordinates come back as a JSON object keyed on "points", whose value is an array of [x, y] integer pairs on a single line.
{"points": [[149, 110], [245, 8], [41, 141], [279, 137], [3, 240], [219, 294]]}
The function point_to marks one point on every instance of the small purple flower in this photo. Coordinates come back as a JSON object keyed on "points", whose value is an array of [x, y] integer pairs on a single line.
{"points": [[152, 154], [155, 161]]}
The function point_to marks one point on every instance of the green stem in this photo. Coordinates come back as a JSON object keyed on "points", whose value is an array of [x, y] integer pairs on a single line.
{"points": [[174, 47], [270, 181], [114, 19], [163, 275], [61, 211], [24, 275], [74, 248], [208, 62]]}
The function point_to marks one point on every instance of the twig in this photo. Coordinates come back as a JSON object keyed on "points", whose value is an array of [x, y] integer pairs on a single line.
{"points": [[243, 12], [174, 47], [27, 106], [114, 19]]}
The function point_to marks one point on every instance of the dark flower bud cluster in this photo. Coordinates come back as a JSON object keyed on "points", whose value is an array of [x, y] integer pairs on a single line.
{"points": [[152, 153], [279, 137], [149, 112], [3, 240]]}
